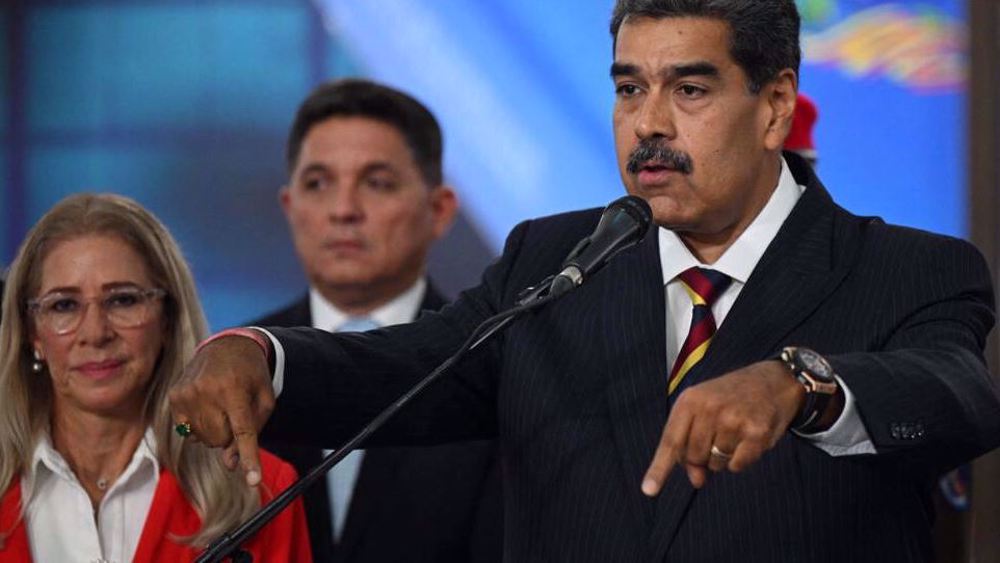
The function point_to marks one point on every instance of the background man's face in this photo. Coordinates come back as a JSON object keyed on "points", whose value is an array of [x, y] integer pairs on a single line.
{"points": [[362, 216], [678, 88]]}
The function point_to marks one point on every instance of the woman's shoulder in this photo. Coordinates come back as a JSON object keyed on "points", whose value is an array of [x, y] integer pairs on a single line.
{"points": [[13, 532], [10, 505]]}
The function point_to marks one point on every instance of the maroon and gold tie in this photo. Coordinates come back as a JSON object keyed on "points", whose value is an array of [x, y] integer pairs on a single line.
{"points": [[704, 286]]}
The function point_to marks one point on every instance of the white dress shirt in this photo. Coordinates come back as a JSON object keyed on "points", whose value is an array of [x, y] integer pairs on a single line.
{"points": [[402, 309], [59, 516], [848, 434], [342, 479]]}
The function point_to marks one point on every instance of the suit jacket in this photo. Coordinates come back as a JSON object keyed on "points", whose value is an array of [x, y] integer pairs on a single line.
{"points": [[171, 516], [411, 504], [576, 392]]}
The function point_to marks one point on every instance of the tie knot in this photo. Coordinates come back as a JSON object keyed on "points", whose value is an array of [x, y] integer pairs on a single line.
{"points": [[358, 324], [704, 285]]}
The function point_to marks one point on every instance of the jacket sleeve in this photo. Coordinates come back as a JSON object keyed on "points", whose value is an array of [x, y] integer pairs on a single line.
{"points": [[926, 393], [335, 383]]}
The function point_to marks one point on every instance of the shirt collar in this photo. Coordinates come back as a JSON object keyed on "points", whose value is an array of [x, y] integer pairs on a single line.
{"points": [[401, 309], [47, 462], [740, 259]]}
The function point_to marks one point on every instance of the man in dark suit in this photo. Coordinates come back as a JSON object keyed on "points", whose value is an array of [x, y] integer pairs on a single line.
{"points": [[766, 378], [365, 201]]}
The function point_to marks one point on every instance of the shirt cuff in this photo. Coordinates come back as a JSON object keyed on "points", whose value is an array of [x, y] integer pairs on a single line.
{"points": [[278, 377], [848, 435]]}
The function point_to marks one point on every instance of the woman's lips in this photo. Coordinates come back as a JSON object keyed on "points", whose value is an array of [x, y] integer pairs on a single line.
{"points": [[100, 370]]}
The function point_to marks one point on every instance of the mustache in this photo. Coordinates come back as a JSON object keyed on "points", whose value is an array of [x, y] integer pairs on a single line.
{"points": [[655, 151]]}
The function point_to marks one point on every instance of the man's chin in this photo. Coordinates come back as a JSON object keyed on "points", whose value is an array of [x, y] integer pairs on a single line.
{"points": [[667, 213], [348, 281]]}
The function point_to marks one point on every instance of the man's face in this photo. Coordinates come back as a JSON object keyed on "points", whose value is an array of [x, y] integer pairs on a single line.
{"points": [[691, 139], [361, 214]]}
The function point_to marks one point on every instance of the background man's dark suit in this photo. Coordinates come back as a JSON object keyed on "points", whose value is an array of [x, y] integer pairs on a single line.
{"points": [[577, 394], [437, 504]]}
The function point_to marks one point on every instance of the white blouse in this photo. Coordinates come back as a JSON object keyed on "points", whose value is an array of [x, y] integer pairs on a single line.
{"points": [[60, 519]]}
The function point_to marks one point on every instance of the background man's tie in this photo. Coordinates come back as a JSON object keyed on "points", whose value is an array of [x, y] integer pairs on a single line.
{"points": [[341, 479], [704, 286]]}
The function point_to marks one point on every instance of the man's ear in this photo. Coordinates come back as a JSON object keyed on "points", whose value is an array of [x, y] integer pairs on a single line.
{"points": [[285, 198], [781, 94], [444, 206]]}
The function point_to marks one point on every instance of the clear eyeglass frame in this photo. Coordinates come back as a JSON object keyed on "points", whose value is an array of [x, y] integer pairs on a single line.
{"points": [[122, 308]]}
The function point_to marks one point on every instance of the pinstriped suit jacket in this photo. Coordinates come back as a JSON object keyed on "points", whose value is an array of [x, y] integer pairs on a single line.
{"points": [[576, 393], [419, 505]]}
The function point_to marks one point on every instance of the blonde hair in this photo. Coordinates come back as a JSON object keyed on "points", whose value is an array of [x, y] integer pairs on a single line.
{"points": [[220, 496]]}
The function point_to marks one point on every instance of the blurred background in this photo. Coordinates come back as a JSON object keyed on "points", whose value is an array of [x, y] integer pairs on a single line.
{"points": [[184, 105]]}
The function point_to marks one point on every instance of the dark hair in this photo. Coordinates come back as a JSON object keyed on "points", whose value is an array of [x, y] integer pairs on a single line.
{"points": [[765, 33], [363, 98]]}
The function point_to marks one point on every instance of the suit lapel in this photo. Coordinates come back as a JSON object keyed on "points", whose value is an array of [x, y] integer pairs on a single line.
{"points": [[432, 301], [632, 304], [373, 493], [301, 314], [805, 262], [792, 278], [296, 314]]}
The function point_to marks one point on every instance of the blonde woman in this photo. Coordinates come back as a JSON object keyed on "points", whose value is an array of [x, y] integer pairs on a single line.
{"points": [[101, 314]]}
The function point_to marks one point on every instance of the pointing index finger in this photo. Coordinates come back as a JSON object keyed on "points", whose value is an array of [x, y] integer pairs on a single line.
{"points": [[241, 420], [667, 454]]}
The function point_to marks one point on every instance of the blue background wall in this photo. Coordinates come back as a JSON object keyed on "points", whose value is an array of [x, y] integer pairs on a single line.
{"points": [[184, 105]]}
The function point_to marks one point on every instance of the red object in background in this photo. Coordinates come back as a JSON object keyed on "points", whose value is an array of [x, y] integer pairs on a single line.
{"points": [[800, 137]]}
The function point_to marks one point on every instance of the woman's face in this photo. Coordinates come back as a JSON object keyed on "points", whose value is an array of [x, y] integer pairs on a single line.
{"points": [[95, 329]]}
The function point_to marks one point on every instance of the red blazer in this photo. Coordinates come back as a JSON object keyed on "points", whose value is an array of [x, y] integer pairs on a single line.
{"points": [[284, 540]]}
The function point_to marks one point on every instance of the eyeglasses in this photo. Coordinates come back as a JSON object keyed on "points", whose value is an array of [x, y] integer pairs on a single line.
{"points": [[62, 313]]}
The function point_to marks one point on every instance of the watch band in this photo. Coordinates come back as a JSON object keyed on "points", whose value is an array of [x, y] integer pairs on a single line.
{"points": [[820, 387]]}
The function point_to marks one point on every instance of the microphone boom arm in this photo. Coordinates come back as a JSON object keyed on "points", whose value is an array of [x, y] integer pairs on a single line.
{"points": [[623, 223], [230, 542]]}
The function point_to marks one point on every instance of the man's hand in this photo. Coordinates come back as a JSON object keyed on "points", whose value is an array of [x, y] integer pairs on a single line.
{"points": [[726, 423], [226, 396]]}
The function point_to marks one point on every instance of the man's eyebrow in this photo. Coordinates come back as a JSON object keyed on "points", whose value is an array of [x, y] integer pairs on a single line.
{"points": [[694, 69], [312, 167], [378, 166], [701, 68], [623, 69]]}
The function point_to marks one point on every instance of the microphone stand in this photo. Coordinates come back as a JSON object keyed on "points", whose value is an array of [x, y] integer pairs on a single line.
{"points": [[229, 543]]}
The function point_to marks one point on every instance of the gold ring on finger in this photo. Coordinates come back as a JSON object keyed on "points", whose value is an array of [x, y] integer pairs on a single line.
{"points": [[720, 454]]}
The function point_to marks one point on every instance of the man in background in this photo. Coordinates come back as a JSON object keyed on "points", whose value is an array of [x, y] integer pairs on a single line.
{"points": [[365, 200]]}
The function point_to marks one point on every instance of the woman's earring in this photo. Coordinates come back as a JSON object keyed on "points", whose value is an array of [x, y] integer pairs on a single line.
{"points": [[38, 364]]}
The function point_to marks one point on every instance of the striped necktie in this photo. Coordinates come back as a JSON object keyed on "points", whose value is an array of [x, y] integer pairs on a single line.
{"points": [[704, 286]]}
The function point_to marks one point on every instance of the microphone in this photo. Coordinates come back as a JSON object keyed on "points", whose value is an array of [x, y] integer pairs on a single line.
{"points": [[623, 224]]}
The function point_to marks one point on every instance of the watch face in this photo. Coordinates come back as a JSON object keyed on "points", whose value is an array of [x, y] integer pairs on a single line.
{"points": [[815, 364]]}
